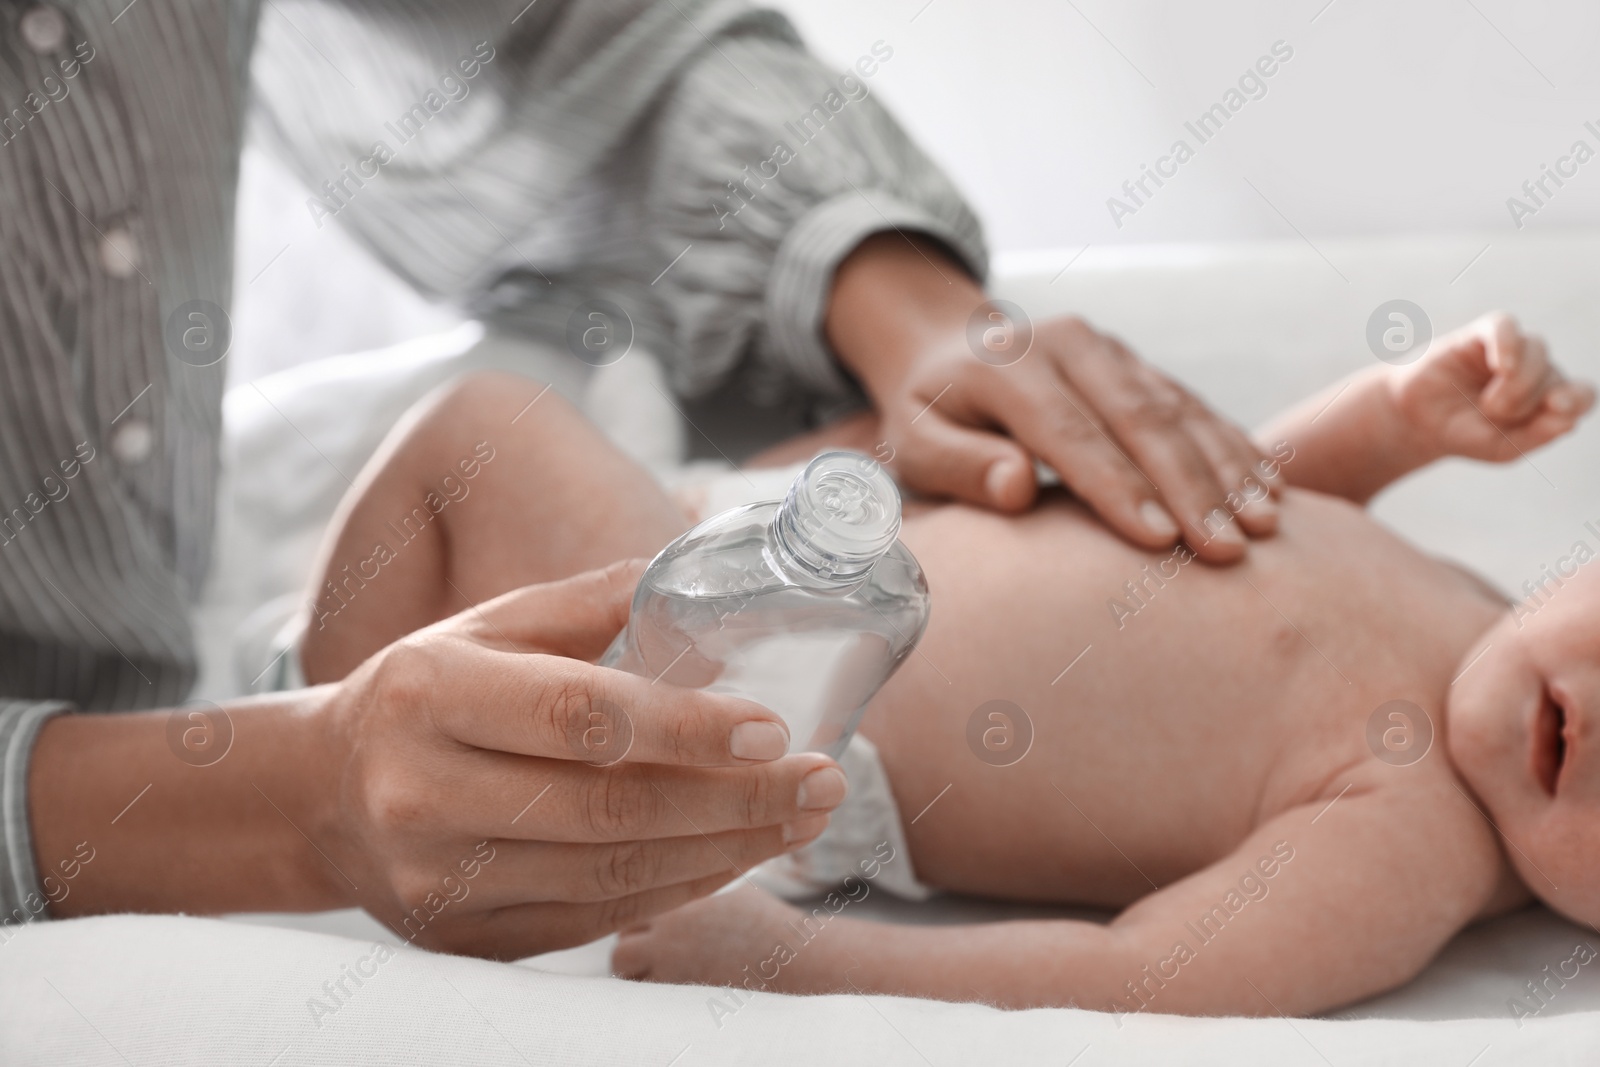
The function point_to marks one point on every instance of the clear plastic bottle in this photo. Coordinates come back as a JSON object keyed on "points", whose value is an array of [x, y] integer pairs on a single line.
{"points": [[806, 605]]}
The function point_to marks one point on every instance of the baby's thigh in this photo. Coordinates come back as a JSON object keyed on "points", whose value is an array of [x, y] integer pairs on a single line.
{"points": [[529, 489]]}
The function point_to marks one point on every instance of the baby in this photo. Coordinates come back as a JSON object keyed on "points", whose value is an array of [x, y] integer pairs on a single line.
{"points": [[1294, 779]]}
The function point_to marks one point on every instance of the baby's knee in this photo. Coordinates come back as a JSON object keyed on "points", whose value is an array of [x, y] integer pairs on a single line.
{"points": [[499, 408], [493, 398]]}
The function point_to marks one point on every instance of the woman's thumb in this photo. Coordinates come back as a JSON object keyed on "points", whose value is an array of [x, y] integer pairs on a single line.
{"points": [[575, 616], [978, 466]]}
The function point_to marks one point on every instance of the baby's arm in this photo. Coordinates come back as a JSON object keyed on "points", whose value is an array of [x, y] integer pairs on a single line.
{"points": [[1321, 906], [1486, 391], [492, 483]]}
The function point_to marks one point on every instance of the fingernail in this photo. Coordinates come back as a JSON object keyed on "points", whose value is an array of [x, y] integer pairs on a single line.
{"points": [[1157, 519], [758, 740], [1260, 504], [1571, 398], [803, 830], [998, 479], [1229, 535], [822, 789]]}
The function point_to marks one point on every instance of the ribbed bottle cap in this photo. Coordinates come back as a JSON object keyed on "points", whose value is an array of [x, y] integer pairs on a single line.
{"points": [[841, 515]]}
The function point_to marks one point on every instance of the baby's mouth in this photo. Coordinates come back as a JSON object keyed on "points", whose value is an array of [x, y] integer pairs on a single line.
{"points": [[1549, 743]]}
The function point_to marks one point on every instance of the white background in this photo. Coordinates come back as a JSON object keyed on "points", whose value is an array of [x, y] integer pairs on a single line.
{"points": [[1393, 115], [1421, 116]]}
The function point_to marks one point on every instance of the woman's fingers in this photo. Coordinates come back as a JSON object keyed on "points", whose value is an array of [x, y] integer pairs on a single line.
{"points": [[494, 794], [1151, 461], [1059, 426], [1235, 447], [546, 705], [521, 930], [1238, 465], [526, 701], [947, 458], [1153, 426], [525, 872], [577, 616]]}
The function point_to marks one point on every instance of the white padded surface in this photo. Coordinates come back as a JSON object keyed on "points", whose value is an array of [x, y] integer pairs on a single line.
{"points": [[180, 992]]}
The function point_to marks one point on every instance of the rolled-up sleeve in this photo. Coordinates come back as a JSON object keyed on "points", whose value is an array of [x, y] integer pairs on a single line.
{"points": [[686, 160], [20, 898], [765, 170]]}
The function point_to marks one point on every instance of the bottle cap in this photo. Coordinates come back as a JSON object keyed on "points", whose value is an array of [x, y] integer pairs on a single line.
{"points": [[840, 516]]}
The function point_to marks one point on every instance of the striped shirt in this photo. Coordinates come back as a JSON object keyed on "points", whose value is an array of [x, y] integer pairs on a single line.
{"points": [[685, 160]]}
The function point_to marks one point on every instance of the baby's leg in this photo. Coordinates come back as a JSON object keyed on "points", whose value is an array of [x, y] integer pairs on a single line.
{"points": [[1369, 897], [490, 484]]}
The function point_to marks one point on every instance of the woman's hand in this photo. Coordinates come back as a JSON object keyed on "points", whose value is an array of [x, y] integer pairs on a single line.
{"points": [[1486, 391], [968, 399], [492, 796], [470, 785]]}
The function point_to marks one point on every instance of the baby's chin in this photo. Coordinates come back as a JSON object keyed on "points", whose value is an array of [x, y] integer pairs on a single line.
{"points": [[1486, 713], [1476, 739], [1536, 859], [1552, 849]]}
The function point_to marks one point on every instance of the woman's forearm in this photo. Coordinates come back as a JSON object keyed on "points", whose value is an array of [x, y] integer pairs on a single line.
{"points": [[180, 816]]}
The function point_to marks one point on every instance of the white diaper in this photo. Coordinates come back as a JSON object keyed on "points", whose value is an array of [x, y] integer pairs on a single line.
{"points": [[865, 840]]}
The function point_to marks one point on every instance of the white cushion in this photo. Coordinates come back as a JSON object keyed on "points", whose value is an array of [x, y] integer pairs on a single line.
{"points": [[183, 991]]}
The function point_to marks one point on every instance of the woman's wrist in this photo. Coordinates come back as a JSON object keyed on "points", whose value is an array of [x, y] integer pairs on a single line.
{"points": [[895, 297], [199, 809], [305, 761]]}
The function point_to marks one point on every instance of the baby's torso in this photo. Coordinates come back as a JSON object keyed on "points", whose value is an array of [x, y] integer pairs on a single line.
{"points": [[1172, 706]]}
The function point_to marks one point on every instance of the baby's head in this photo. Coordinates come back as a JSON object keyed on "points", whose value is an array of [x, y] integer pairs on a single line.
{"points": [[1524, 730]]}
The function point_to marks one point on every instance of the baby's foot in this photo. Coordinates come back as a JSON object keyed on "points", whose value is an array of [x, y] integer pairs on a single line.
{"points": [[746, 938]]}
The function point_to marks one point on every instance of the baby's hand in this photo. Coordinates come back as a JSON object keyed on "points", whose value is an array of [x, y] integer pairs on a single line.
{"points": [[1488, 391], [725, 939]]}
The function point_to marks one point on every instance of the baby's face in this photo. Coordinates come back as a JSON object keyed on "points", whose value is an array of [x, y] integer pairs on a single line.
{"points": [[1524, 730]]}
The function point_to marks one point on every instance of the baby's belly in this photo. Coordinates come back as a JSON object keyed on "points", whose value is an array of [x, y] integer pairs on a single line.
{"points": [[1107, 719]]}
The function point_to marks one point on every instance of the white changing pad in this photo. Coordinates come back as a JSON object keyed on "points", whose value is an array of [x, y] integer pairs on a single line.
{"points": [[1252, 328], [195, 993]]}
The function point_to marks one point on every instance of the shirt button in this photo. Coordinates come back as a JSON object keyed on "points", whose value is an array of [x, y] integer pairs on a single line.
{"points": [[119, 253], [132, 443], [44, 29]]}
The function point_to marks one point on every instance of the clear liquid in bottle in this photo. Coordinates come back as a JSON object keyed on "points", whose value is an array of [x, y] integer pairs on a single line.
{"points": [[805, 605]]}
